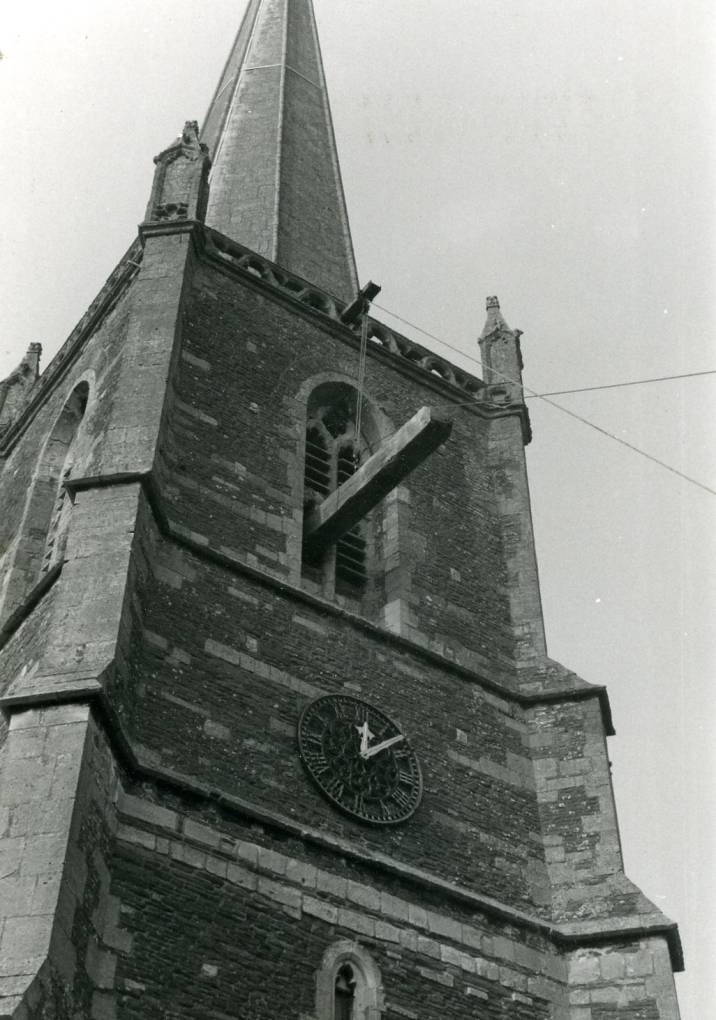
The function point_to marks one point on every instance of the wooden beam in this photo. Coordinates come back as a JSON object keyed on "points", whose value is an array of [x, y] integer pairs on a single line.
{"points": [[400, 454], [360, 304]]}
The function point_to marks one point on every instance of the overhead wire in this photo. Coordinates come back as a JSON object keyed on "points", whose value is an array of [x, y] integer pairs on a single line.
{"points": [[618, 385], [361, 375], [572, 414], [552, 393]]}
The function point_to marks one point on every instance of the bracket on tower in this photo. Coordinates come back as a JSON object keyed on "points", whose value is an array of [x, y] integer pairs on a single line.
{"points": [[360, 304]]}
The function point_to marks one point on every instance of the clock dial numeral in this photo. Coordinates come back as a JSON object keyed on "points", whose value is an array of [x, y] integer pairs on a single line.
{"points": [[313, 753], [335, 788], [401, 799], [336, 734], [386, 811]]}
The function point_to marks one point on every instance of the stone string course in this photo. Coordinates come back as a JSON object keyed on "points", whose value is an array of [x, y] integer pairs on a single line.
{"points": [[99, 897], [624, 978], [300, 888]]}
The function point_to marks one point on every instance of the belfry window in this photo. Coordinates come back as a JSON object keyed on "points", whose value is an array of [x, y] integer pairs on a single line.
{"points": [[333, 453]]}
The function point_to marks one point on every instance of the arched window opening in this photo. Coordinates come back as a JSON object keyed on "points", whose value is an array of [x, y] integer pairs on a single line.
{"points": [[63, 441], [333, 453], [41, 537], [368, 569], [351, 549], [348, 984], [317, 485], [57, 532], [344, 994], [318, 462]]}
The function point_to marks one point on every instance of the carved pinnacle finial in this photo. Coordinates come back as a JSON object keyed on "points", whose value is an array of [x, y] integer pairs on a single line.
{"points": [[495, 321], [501, 354], [15, 389], [180, 188], [186, 144]]}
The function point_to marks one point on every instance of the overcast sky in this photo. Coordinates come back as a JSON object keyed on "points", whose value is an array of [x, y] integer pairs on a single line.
{"points": [[558, 154]]}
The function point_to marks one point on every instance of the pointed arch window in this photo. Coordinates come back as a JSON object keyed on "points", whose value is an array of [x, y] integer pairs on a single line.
{"points": [[334, 451], [61, 455], [41, 538]]}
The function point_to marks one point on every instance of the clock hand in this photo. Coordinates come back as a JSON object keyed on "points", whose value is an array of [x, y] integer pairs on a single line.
{"points": [[365, 736], [381, 747]]}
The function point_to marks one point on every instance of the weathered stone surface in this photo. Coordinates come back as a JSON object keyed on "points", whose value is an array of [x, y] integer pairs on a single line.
{"points": [[185, 629], [276, 184]]}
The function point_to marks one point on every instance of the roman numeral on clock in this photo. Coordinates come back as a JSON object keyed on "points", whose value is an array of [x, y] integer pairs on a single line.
{"points": [[402, 798], [334, 786]]}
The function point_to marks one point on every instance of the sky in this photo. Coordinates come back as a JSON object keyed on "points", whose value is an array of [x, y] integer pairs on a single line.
{"points": [[558, 153]]}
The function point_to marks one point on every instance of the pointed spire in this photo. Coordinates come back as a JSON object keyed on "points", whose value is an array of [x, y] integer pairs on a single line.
{"points": [[275, 183]]}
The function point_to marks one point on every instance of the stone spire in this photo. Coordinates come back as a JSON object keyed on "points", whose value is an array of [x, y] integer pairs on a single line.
{"points": [[275, 181]]}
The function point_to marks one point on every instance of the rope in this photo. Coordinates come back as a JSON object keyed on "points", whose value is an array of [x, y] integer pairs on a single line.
{"points": [[361, 381]]}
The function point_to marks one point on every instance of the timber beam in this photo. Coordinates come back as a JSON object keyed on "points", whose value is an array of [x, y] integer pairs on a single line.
{"points": [[397, 456]]}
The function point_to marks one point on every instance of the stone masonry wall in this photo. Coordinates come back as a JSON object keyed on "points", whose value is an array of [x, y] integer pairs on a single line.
{"points": [[233, 465], [69, 641], [263, 919], [578, 816], [229, 663], [56, 821], [633, 981], [179, 613]]}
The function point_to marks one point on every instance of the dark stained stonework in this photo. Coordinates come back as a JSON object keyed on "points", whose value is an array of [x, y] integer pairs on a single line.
{"points": [[162, 852]]}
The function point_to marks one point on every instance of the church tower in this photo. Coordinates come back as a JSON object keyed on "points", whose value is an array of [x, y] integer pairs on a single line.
{"points": [[281, 737]]}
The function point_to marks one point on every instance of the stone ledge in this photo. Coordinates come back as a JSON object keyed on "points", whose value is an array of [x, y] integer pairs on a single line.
{"points": [[617, 931], [49, 690], [38, 592], [200, 546], [286, 889]]}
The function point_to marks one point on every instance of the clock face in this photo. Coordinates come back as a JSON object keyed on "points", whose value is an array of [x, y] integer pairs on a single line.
{"points": [[359, 759]]}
